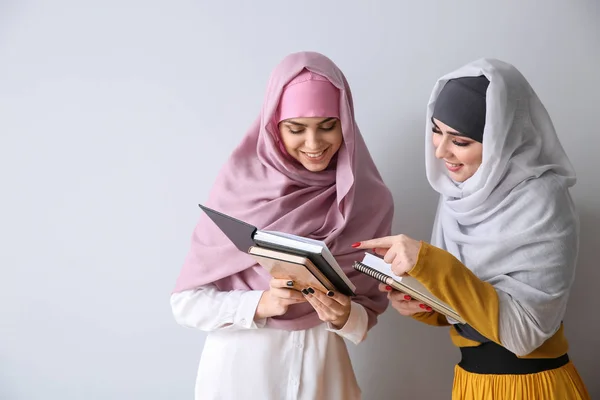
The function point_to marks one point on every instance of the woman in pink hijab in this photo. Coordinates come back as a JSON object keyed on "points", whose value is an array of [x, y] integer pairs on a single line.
{"points": [[302, 168]]}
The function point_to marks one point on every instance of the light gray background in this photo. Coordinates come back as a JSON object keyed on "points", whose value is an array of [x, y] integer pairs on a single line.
{"points": [[116, 115]]}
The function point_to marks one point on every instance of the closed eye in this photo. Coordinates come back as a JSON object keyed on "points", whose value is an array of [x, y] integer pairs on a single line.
{"points": [[461, 144], [437, 131], [329, 127]]}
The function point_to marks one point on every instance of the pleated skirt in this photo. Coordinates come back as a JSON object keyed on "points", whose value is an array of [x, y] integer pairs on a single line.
{"points": [[562, 383]]}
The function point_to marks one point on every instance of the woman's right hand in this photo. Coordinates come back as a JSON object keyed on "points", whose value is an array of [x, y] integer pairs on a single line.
{"points": [[403, 303], [277, 299]]}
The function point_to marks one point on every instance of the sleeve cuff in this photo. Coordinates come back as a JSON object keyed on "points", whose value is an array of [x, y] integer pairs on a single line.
{"points": [[355, 328], [244, 315], [417, 269]]}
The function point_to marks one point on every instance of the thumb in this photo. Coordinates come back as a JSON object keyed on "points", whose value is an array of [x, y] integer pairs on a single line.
{"points": [[380, 251]]}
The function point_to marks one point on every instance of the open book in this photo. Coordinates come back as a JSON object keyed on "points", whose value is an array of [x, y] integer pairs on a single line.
{"points": [[245, 237], [377, 268]]}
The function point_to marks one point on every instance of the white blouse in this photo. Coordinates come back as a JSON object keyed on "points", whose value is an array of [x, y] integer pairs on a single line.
{"points": [[244, 360]]}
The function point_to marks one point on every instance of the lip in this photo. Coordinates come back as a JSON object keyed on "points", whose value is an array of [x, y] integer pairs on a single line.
{"points": [[453, 167], [315, 160]]}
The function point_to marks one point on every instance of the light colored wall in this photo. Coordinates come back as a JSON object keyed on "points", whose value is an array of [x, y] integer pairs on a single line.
{"points": [[116, 115]]}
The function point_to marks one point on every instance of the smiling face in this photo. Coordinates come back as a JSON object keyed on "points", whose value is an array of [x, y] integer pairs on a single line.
{"points": [[461, 154], [312, 141]]}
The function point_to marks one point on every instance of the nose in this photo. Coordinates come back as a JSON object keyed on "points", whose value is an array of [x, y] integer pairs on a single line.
{"points": [[442, 150], [312, 140]]}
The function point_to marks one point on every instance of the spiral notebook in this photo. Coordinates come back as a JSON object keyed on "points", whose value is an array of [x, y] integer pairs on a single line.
{"points": [[376, 268]]}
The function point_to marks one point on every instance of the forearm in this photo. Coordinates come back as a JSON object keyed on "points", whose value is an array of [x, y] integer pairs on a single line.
{"points": [[356, 327], [449, 280]]}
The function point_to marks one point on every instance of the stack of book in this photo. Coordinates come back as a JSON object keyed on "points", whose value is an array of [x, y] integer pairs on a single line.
{"points": [[308, 262]]}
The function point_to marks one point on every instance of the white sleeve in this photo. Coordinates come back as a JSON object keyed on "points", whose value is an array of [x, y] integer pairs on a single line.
{"points": [[356, 327], [520, 331], [208, 309]]}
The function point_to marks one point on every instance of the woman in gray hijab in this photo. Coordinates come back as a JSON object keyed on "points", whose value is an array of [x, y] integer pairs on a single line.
{"points": [[505, 239]]}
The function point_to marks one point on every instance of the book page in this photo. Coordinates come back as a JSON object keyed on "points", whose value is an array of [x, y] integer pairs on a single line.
{"points": [[380, 265], [288, 240], [298, 238]]}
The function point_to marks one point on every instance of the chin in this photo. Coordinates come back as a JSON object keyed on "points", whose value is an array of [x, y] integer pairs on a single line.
{"points": [[316, 168], [460, 177]]}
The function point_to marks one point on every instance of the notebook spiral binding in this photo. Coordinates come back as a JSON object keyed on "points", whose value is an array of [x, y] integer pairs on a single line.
{"points": [[370, 271]]}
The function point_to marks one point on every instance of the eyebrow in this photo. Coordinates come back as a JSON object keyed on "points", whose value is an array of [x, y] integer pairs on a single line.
{"points": [[450, 132], [299, 124]]}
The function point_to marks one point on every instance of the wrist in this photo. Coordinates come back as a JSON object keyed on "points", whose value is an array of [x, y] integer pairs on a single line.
{"points": [[341, 322], [261, 311]]}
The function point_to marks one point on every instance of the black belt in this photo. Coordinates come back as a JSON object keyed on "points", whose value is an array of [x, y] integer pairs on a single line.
{"points": [[491, 358]]}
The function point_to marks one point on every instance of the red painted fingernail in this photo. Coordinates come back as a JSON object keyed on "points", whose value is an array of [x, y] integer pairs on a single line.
{"points": [[429, 308], [356, 244], [422, 306], [388, 288], [406, 297]]}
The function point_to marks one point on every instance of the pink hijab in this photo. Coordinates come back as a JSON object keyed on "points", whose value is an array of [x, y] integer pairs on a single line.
{"points": [[263, 186]]}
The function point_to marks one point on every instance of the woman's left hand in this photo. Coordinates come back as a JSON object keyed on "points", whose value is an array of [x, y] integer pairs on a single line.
{"points": [[403, 303], [331, 307], [400, 251]]}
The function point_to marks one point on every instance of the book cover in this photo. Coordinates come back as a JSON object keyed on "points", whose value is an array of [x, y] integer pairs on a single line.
{"points": [[288, 266]]}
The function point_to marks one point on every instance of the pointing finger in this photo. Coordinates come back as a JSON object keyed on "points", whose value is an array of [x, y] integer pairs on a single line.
{"points": [[383, 243]]}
